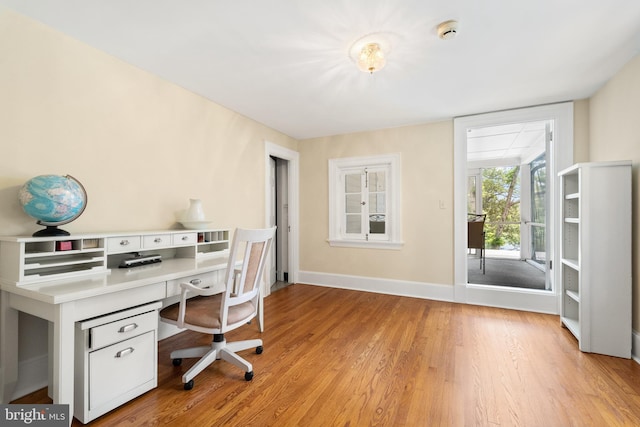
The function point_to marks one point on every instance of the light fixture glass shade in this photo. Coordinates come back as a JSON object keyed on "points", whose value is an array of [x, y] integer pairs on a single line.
{"points": [[371, 58]]}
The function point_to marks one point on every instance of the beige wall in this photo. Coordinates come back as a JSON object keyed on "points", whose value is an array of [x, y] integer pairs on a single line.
{"points": [[614, 135], [581, 131], [140, 145], [427, 179]]}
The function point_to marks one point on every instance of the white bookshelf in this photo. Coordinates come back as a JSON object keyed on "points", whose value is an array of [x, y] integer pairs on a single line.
{"points": [[596, 256]]}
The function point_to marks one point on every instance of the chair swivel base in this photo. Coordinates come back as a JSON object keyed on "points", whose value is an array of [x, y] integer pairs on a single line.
{"points": [[219, 349]]}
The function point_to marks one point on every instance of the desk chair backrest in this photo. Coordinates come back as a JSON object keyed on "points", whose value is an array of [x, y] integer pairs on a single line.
{"points": [[241, 298]]}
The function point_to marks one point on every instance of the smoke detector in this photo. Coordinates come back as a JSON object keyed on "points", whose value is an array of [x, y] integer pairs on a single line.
{"points": [[448, 30]]}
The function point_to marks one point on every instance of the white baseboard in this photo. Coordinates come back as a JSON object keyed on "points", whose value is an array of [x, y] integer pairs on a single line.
{"points": [[377, 285], [32, 376]]}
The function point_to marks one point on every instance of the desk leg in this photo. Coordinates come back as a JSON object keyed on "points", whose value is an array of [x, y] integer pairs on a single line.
{"points": [[8, 348], [63, 356]]}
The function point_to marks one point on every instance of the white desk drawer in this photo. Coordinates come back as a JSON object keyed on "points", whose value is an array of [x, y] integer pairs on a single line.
{"points": [[200, 280], [123, 329], [185, 238], [120, 368], [156, 241], [124, 244]]}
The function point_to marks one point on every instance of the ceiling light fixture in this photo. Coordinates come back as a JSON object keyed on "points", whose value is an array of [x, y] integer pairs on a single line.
{"points": [[371, 58], [370, 52]]}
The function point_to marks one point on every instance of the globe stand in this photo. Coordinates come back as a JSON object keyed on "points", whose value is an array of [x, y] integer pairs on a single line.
{"points": [[51, 230]]}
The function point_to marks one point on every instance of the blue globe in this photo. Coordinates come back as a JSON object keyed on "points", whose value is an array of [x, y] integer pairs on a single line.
{"points": [[53, 199]]}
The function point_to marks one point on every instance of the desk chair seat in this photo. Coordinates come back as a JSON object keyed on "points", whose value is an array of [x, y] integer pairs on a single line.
{"points": [[199, 313], [204, 310]]}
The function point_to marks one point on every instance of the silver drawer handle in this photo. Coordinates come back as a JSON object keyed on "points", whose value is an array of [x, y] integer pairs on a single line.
{"points": [[157, 240], [128, 328], [124, 243], [185, 238], [195, 282], [123, 353]]}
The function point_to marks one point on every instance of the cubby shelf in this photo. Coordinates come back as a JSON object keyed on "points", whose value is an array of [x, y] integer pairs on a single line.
{"points": [[572, 325], [28, 260], [574, 295], [573, 263]]}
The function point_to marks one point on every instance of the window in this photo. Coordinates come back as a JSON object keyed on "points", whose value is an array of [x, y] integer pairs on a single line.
{"points": [[364, 208]]}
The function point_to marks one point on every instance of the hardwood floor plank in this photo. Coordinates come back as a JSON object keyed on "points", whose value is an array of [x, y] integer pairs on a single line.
{"points": [[337, 357]]}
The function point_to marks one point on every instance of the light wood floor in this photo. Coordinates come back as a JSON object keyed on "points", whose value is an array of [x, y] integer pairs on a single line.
{"points": [[346, 358]]}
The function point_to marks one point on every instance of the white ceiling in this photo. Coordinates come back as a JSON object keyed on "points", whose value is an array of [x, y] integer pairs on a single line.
{"points": [[286, 63], [510, 144]]}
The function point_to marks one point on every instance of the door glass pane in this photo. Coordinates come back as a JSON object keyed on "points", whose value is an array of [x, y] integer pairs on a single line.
{"points": [[471, 194], [538, 254], [538, 213], [501, 203], [538, 189]]}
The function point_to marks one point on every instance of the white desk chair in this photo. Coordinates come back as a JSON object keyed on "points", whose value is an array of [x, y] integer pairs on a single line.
{"points": [[217, 314]]}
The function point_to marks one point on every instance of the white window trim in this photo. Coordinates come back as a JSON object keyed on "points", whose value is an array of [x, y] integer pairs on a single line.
{"points": [[395, 214]]}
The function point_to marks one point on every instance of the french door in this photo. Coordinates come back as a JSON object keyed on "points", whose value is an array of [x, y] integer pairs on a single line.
{"points": [[561, 153], [540, 214]]}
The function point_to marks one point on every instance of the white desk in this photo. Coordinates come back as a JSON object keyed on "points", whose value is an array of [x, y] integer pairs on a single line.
{"points": [[66, 301]]}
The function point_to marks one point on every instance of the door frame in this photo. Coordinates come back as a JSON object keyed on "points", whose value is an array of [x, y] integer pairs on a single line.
{"points": [[281, 211], [280, 152], [561, 157]]}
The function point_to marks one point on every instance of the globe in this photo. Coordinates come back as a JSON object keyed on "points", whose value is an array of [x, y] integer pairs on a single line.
{"points": [[53, 200]]}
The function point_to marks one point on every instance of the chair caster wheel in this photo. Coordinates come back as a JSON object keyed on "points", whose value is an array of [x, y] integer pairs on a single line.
{"points": [[176, 362], [189, 385], [259, 349], [247, 376]]}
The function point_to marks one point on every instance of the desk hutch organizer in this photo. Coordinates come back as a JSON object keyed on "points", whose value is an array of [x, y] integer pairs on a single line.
{"points": [[35, 259], [105, 318], [596, 256]]}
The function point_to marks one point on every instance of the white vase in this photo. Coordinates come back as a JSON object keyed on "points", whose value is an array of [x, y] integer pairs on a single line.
{"points": [[195, 212]]}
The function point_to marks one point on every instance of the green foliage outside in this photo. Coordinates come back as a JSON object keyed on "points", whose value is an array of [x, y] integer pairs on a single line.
{"points": [[501, 203]]}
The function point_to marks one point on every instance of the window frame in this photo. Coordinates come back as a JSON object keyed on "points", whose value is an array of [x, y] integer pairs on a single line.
{"points": [[393, 232]]}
